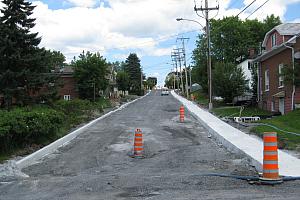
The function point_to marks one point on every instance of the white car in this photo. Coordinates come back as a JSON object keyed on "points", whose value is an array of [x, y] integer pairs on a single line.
{"points": [[164, 91]]}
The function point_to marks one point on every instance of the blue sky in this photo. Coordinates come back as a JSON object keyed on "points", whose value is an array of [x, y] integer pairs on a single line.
{"points": [[116, 28]]}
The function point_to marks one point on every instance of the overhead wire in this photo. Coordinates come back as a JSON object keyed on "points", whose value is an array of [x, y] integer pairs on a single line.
{"points": [[257, 9], [149, 42], [246, 8]]}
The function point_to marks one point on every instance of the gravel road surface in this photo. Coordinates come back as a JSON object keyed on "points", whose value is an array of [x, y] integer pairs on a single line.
{"points": [[98, 164]]}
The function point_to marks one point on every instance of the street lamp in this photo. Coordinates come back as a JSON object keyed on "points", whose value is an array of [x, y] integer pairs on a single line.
{"points": [[190, 20], [208, 56]]}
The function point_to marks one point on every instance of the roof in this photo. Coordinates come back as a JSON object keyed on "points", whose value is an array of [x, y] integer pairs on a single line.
{"points": [[67, 70], [283, 29], [277, 49]]}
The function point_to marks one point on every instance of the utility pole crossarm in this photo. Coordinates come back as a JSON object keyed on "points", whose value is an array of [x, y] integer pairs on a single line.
{"points": [[204, 9]]}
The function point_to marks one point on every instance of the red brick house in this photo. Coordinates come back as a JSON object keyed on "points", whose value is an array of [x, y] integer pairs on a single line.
{"points": [[282, 49], [68, 91]]}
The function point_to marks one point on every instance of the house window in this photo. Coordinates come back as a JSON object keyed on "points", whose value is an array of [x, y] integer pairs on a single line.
{"points": [[267, 80], [273, 38], [67, 97], [281, 78]]}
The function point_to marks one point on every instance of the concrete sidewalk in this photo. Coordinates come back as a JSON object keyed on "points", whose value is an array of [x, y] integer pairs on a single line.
{"points": [[238, 141]]}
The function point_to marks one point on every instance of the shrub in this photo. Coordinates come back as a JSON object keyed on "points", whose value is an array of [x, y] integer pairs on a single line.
{"points": [[24, 126]]}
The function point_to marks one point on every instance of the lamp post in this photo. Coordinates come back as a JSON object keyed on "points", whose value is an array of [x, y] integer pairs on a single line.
{"points": [[208, 57]]}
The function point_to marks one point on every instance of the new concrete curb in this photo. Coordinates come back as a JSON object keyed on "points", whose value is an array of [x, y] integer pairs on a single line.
{"points": [[34, 157], [237, 141]]}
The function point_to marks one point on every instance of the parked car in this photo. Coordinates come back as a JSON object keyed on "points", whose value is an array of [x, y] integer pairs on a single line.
{"points": [[164, 91]]}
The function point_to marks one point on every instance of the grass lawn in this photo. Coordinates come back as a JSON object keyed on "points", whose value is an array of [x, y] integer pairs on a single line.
{"points": [[289, 122], [235, 111], [201, 98]]}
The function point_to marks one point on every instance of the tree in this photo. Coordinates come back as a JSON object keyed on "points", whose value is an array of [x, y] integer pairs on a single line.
{"points": [[169, 82], [23, 71], [134, 71], [270, 22], [151, 82], [119, 66], [231, 38], [229, 81], [55, 59], [123, 80], [90, 72], [291, 75], [228, 39], [199, 71]]}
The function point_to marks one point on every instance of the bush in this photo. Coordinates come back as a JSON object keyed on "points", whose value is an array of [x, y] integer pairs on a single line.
{"points": [[24, 126]]}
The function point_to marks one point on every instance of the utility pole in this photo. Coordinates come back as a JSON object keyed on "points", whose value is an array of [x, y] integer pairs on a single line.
{"points": [[174, 56], [185, 68], [180, 68], [174, 77], [190, 70], [207, 9], [142, 89]]}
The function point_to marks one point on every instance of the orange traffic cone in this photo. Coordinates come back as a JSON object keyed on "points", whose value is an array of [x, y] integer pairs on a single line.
{"points": [[181, 113], [138, 143], [270, 161]]}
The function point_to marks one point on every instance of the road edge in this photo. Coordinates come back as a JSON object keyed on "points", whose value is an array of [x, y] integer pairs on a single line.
{"points": [[34, 157], [239, 142], [227, 144]]}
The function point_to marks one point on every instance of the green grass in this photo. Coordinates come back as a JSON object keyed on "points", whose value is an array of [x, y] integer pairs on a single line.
{"points": [[201, 98], [235, 111], [289, 122]]}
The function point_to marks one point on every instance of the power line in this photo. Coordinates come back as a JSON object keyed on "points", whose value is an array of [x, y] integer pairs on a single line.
{"points": [[258, 8], [150, 42], [246, 8]]}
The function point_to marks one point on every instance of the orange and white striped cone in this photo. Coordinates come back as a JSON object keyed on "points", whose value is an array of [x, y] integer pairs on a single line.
{"points": [[270, 161], [138, 143], [181, 114]]}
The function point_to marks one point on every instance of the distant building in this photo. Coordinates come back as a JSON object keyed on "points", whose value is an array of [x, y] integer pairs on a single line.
{"points": [[68, 91]]}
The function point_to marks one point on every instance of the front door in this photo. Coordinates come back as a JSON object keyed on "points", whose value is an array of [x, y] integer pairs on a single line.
{"points": [[281, 105]]}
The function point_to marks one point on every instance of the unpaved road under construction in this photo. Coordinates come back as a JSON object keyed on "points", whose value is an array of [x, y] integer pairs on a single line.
{"points": [[97, 164]]}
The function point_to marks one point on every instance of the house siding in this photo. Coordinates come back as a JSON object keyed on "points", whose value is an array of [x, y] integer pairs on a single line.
{"points": [[69, 87], [272, 64]]}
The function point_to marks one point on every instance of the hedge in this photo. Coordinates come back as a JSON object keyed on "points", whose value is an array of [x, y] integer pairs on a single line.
{"points": [[25, 126]]}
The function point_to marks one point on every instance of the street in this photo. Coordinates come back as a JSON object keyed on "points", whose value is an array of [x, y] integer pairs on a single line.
{"points": [[98, 163]]}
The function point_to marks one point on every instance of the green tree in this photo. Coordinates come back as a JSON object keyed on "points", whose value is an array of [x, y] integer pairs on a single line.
{"points": [[55, 59], [119, 66], [291, 76], [123, 80], [134, 71], [231, 38], [229, 81], [270, 22], [90, 72], [151, 82], [228, 39], [23, 72], [199, 71]]}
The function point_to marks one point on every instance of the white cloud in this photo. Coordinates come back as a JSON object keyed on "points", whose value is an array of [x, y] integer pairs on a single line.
{"points": [[83, 3], [130, 24]]}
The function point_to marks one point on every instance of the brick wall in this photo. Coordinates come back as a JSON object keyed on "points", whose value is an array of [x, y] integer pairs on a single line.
{"points": [[69, 87], [272, 65], [279, 40]]}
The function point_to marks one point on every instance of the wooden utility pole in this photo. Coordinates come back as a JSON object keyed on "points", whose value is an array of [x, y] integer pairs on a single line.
{"points": [[207, 9]]}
